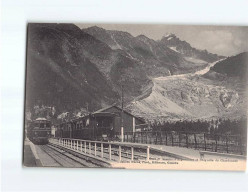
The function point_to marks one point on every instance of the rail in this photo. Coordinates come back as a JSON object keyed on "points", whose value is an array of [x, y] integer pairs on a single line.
{"points": [[98, 148]]}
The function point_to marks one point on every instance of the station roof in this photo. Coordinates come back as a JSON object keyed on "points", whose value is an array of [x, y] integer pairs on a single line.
{"points": [[41, 119], [104, 114], [103, 110]]}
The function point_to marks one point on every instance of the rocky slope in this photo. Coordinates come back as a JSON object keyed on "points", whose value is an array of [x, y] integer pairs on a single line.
{"points": [[155, 57], [69, 68], [234, 66], [198, 95], [190, 53]]}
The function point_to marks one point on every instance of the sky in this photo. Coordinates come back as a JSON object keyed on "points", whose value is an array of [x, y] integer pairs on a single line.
{"points": [[222, 40]]}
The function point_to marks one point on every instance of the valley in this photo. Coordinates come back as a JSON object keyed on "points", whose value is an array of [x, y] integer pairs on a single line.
{"points": [[188, 96], [82, 70]]}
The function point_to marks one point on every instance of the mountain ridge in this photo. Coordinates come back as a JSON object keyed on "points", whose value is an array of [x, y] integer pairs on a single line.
{"points": [[153, 55], [70, 68], [183, 47]]}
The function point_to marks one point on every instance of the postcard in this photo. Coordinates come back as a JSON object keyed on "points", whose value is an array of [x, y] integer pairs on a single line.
{"points": [[136, 96]]}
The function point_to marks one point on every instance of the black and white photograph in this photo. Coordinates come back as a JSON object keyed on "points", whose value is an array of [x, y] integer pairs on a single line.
{"points": [[136, 96]]}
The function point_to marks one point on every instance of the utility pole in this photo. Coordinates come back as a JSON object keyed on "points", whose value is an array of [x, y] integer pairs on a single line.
{"points": [[122, 125]]}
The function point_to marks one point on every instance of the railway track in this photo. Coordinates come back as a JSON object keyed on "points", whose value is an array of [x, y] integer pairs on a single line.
{"points": [[75, 155], [66, 159]]}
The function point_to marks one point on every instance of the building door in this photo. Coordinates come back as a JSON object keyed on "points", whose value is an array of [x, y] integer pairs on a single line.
{"points": [[117, 124]]}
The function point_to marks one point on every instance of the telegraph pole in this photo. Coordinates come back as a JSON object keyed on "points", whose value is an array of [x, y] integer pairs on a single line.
{"points": [[122, 125]]}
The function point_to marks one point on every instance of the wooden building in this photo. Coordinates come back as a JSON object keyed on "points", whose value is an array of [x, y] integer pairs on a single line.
{"points": [[101, 124], [130, 122]]}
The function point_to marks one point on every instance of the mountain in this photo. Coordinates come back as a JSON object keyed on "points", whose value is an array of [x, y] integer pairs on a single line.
{"points": [[232, 73], [235, 66], [190, 53], [154, 56], [69, 68]]}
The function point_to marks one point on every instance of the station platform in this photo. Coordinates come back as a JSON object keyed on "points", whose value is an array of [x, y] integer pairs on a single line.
{"points": [[30, 157], [181, 152], [185, 152], [190, 153]]}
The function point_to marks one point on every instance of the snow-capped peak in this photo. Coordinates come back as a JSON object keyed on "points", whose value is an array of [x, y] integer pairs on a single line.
{"points": [[169, 36]]}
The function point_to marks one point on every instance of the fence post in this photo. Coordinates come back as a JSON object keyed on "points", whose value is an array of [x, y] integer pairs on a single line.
{"points": [[102, 150], [85, 147], [216, 146], [132, 153], [148, 153], [166, 141], [89, 147], [77, 144], [110, 151], [195, 141], [227, 144], [71, 144], [156, 137], [172, 142], [240, 144], [95, 148], [205, 144], [119, 153], [237, 143], [187, 142], [161, 139], [179, 139], [81, 146]]}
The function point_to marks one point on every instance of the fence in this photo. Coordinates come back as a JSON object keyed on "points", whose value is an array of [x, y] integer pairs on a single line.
{"points": [[201, 141], [104, 150]]}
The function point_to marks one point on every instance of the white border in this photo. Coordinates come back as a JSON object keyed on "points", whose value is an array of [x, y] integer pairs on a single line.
{"points": [[16, 14]]}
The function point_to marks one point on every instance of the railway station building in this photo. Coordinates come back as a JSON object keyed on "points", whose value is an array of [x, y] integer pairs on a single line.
{"points": [[101, 123]]}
